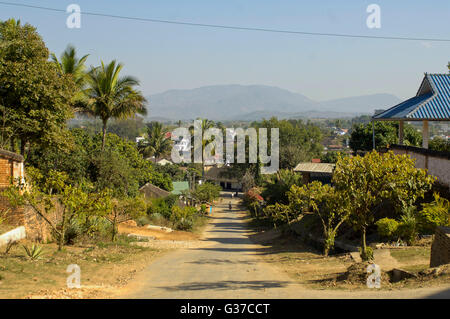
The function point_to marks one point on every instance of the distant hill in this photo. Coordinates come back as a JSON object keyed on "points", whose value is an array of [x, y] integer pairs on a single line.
{"points": [[254, 102]]}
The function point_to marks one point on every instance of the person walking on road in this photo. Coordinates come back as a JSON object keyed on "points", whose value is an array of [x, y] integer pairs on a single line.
{"points": [[229, 205]]}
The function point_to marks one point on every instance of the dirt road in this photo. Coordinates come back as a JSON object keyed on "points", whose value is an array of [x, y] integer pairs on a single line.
{"points": [[225, 264]]}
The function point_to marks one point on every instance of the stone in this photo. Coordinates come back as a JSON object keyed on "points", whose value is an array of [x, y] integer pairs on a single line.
{"points": [[13, 235], [164, 229]]}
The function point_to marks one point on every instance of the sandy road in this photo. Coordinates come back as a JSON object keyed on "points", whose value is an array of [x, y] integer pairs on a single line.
{"points": [[225, 264]]}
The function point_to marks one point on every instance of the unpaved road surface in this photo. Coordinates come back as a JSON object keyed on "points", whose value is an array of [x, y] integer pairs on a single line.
{"points": [[225, 264]]}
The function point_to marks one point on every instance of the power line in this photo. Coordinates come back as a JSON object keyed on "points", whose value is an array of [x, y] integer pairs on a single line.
{"points": [[230, 27]]}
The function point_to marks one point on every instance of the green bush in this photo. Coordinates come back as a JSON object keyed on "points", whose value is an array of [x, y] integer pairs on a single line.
{"points": [[162, 206], [408, 227], [183, 218], [366, 255], [436, 213], [387, 228], [72, 233], [142, 221]]}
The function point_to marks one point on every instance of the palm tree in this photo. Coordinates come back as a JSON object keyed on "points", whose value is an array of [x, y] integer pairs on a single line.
{"points": [[111, 96], [156, 144], [70, 64], [206, 124]]}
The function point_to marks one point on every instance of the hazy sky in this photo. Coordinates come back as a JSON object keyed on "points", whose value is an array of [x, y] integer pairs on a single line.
{"points": [[168, 57]]}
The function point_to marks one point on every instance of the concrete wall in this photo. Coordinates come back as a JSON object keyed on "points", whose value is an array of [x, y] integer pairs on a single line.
{"points": [[437, 163]]}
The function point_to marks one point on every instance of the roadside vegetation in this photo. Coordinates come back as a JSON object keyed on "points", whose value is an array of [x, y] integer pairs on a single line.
{"points": [[379, 195], [82, 180]]}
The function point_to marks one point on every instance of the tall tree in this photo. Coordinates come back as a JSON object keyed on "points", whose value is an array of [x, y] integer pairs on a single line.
{"points": [[70, 64], [156, 144], [111, 96], [205, 125], [386, 133], [35, 97]]}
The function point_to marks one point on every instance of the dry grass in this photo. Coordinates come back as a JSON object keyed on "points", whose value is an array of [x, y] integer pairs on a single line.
{"points": [[102, 266]]}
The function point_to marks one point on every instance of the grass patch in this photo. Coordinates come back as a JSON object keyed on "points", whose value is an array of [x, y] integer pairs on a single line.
{"points": [[411, 255]]}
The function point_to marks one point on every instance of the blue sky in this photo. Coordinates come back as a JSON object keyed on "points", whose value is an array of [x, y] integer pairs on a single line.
{"points": [[168, 57]]}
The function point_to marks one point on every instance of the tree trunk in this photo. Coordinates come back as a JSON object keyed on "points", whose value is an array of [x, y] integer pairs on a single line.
{"points": [[328, 242], [62, 233], [364, 255], [114, 230], [104, 134], [23, 142]]}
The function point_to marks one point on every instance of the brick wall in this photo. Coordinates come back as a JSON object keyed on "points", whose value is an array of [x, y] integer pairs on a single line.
{"points": [[440, 249], [12, 170]]}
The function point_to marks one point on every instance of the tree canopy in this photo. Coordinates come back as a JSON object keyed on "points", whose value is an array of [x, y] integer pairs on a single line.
{"points": [[34, 97]]}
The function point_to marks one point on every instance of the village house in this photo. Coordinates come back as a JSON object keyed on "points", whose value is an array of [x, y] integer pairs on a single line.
{"points": [[315, 171], [217, 174], [431, 103]]}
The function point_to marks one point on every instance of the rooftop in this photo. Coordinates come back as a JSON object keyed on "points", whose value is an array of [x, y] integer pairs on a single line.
{"points": [[432, 102], [10, 155], [315, 167], [178, 187]]}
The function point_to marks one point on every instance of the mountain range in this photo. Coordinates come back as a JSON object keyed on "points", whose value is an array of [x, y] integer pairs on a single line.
{"points": [[254, 102]]}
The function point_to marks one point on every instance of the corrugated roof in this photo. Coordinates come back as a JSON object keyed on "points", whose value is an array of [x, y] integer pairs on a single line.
{"points": [[314, 167], [432, 102], [152, 191], [178, 187]]}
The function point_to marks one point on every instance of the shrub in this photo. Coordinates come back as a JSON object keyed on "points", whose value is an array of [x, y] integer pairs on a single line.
{"points": [[183, 218], [35, 252], [408, 227], [162, 206], [366, 254], [72, 233], [387, 227], [436, 213], [207, 192], [143, 220]]}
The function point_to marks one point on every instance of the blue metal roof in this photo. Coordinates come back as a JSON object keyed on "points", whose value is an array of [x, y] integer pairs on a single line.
{"points": [[428, 104]]}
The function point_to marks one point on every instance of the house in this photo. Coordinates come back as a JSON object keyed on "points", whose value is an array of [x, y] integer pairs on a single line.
{"points": [[11, 168], [12, 172], [217, 174], [163, 162], [431, 103], [315, 172], [152, 191]]}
